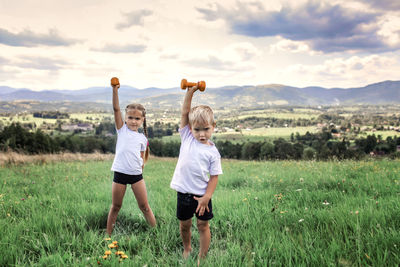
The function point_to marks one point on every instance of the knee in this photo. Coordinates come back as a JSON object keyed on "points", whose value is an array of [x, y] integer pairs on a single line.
{"points": [[116, 207], [202, 226], [185, 227], [144, 207]]}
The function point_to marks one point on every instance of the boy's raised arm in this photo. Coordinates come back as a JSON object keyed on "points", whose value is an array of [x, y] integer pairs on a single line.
{"points": [[187, 103], [117, 111]]}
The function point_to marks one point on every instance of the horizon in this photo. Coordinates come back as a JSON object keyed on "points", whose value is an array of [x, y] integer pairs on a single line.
{"points": [[153, 87]]}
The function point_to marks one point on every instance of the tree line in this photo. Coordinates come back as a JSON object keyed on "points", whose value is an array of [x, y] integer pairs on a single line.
{"points": [[319, 146], [377, 121], [50, 115], [17, 138]]}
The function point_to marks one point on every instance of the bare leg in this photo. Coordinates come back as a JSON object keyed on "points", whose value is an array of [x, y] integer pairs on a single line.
{"points": [[118, 192], [185, 229], [139, 189], [205, 238]]}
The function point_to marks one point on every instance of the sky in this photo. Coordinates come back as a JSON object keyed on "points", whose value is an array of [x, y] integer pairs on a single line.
{"points": [[76, 44]]}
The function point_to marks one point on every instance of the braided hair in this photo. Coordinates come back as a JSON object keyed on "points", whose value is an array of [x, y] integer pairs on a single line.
{"points": [[143, 110]]}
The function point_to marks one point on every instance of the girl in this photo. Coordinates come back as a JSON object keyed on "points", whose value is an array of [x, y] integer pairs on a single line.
{"points": [[130, 154]]}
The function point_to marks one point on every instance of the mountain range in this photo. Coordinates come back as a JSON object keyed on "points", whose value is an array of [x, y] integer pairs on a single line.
{"points": [[386, 92]]}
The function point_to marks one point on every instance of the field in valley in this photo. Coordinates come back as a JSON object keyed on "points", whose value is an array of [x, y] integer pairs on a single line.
{"points": [[283, 213], [241, 125]]}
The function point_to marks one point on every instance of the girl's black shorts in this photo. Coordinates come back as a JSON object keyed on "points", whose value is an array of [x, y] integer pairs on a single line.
{"points": [[122, 178], [187, 205]]}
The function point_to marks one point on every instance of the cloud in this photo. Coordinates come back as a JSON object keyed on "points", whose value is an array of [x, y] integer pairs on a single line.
{"points": [[348, 70], [27, 38], [40, 63], [234, 57], [134, 18], [389, 5], [116, 48], [212, 62], [170, 56], [3, 61], [290, 46], [322, 26]]}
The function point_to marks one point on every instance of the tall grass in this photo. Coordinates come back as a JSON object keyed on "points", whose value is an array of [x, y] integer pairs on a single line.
{"points": [[13, 158], [282, 213]]}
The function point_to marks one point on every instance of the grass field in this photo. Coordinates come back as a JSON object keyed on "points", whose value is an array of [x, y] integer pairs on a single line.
{"points": [[282, 213], [383, 134], [277, 132], [254, 135], [86, 117], [279, 115]]}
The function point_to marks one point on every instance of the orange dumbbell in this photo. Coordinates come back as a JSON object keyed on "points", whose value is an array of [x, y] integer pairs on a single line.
{"points": [[185, 84], [114, 81]]}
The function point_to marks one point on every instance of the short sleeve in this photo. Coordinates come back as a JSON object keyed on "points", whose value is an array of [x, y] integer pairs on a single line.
{"points": [[185, 133], [143, 144], [215, 165], [123, 128]]}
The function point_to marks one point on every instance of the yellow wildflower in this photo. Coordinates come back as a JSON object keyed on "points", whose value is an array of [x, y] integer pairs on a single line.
{"points": [[107, 239], [112, 245], [108, 252], [124, 256], [105, 257], [119, 253]]}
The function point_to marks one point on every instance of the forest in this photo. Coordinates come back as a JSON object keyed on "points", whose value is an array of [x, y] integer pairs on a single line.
{"points": [[310, 146]]}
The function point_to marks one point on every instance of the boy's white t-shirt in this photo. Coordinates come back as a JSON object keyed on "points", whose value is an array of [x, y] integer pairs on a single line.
{"points": [[196, 161], [127, 158]]}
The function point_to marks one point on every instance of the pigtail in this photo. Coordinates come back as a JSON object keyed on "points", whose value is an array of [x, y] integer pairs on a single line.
{"points": [[143, 110], [147, 152]]}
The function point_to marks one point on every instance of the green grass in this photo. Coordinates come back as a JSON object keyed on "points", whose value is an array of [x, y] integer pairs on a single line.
{"points": [[324, 213], [277, 115], [86, 117], [383, 134], [234, 137], [280, 132], [254, 135]]}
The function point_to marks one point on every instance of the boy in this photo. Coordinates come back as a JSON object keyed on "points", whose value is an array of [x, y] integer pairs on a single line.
{"points": [[198, 157]]}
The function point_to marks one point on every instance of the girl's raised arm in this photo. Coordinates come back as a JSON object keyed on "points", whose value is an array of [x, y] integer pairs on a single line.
{"points": [[117, 111]]}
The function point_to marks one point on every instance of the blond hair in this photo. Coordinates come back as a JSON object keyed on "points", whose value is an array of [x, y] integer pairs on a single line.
{"points": [[201, 115], [140, 107]]}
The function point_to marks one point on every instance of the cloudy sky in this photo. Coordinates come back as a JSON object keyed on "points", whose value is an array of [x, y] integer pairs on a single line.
{"points": [[75, 44]]}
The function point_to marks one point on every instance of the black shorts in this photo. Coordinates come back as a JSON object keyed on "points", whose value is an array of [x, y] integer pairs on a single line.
{"points": [[187, 205], [122, 178]]}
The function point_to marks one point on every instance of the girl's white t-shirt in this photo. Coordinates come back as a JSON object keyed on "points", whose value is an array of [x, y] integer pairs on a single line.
{"points": [[196, 161], [127, 158]]}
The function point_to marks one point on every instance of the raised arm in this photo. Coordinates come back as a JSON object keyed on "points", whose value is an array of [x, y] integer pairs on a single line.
{"points": [[187, 103], [117, 111]]}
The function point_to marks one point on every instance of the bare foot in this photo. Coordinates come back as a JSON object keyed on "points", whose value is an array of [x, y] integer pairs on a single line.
{"points": [[186, 253], [200, 259]]}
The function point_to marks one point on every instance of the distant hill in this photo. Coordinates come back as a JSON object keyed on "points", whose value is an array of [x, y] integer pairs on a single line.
{"points": [[387, 92]]}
